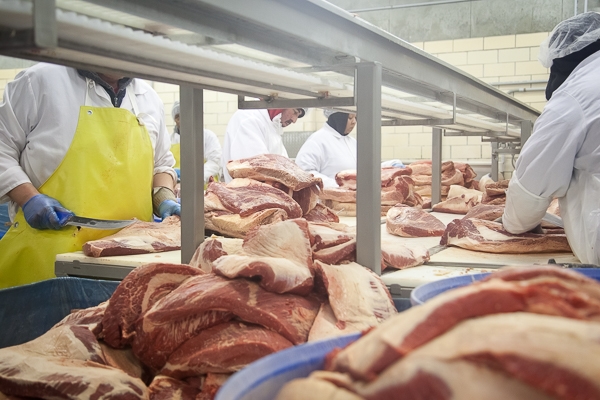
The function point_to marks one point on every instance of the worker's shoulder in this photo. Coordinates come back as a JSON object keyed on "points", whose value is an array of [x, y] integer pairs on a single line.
{"points": [[141, 87]]}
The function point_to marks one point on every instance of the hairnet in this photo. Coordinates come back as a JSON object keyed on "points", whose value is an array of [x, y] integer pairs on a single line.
{"points": [[302, 112], [175, 109], [570, 36], [327, 112]]}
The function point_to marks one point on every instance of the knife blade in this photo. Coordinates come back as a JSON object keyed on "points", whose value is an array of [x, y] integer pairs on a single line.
{"points": [[553, 219], [93, 223], [436, 249]]}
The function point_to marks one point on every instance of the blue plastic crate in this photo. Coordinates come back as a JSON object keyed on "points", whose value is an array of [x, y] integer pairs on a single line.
{"points": [[29, 311]]}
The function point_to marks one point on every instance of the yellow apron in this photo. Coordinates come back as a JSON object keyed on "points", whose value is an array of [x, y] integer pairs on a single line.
{"points": [[107, 173]]}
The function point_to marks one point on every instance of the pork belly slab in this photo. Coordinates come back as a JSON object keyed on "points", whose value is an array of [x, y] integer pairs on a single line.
{"points": [[236, 226], [136, 293], [273, 167], [213, 248], [224, 348], [407, 221], [138, 238], [489, 236], [279, 255]]}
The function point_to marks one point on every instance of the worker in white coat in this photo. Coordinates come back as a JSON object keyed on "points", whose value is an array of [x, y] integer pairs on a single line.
{"points": [[212, 148], [562, 156], [331, 149], [77, 142], [253, 132]]}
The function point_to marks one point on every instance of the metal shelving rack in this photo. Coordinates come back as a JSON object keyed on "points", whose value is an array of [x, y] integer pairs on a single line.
{"points": [[272, 54]]}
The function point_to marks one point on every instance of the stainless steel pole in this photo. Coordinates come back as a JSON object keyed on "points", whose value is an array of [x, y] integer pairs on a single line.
{"points": [[436, 166], [192, 171], [368, 185]]}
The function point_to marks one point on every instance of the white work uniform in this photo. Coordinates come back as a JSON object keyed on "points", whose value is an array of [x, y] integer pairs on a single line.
{"points": [[325, 153], [562, 159], [35, 135], [212, 152], [250, 133]]}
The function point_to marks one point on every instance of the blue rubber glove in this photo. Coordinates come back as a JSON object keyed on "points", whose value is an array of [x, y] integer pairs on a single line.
{"points": [[178, 171], [41, 213], [168, 208], [398, 165]]}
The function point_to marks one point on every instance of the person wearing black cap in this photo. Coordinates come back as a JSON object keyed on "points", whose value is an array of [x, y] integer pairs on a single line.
{"points": [[562, 157], [253, 132]]}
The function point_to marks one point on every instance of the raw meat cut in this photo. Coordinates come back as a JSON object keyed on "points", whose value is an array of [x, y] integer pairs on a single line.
{"points": [[555, 355], [489, 236], [484, 181], [208, 300], [426, 190], [249, 199], [139, 291], [321, 213], [418, 325], [212, 384], [424, 167], [428, 378], [273, 167], [337, 254], [487, 212], [228, 347], [493, 200], [457, 190], [324, 235], [326, 325], [307, 198], [347, 179], [138, 238], [213, 248], [521, 273], [67, 363], [341, 195], [237, 226], [315, 389], [356, 294], [167, 388], [496, 188], [401, 190], [279, 254], [468, 173], [342, 209], [411, 222], [389, 173], [124, 360], [400, 257], [450, 177], [458, 205], [90, 318]]}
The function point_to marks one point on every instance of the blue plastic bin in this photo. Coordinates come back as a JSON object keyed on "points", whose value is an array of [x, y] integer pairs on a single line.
{"points": [[29, 311], [425, 292]]}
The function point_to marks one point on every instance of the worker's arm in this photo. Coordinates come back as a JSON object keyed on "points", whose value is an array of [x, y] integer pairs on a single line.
{"points": [[212, 155], [310, 158], [545, 165], [248, 140], [40, 211]]}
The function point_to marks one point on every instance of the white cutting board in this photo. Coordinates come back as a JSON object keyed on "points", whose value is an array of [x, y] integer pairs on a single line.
{"points": [[171, 257], [456, 255], [413, 277]]}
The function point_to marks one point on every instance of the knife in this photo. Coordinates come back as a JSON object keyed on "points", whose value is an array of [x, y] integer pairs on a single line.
{"points": [[94, 223]]}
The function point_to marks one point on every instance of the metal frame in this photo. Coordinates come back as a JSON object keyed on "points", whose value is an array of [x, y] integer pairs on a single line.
{"points": [[335, 41]]}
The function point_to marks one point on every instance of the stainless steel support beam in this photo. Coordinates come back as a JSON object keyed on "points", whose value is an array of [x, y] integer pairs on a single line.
{"points": [[495, 171], [526, 131], [420, 122], [368, 183], [436, 165], [192, 171], [44, 23], [295, 103]]}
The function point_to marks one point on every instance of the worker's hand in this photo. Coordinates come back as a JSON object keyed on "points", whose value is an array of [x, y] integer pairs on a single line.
{"points": [[40, 213], [168, 208]]}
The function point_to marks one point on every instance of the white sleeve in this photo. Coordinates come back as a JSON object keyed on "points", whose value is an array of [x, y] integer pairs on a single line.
{"points": [[545, 165], [18, 112], [248, 140], [163, 158], [524, 210], [212, 154]]}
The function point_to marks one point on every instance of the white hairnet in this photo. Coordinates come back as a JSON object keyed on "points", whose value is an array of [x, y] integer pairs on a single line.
{"points": [[328, 111], [175, 109], [570, 36]]}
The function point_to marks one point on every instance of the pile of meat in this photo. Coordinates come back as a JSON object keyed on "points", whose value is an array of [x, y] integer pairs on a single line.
{"points": [[138, 238], [266, 189], [530, 333], [179, 331], [408, 185], [396, 187]]}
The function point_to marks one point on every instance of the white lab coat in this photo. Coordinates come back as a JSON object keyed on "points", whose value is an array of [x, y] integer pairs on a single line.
{"points": [[212, 152], [250, 133], [325, 153], [38, 119], [562, 159]]}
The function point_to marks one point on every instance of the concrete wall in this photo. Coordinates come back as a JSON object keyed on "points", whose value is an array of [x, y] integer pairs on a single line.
{"points": [[465, 19]]}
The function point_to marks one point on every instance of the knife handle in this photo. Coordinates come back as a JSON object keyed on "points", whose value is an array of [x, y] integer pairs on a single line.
{"points": [[63, 217]]}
